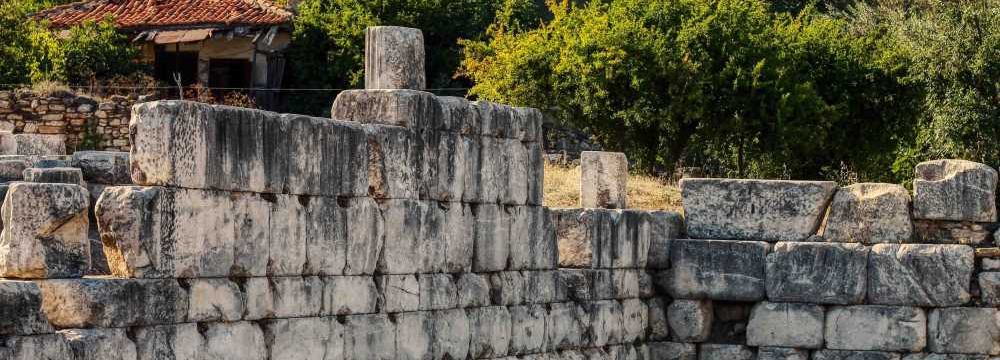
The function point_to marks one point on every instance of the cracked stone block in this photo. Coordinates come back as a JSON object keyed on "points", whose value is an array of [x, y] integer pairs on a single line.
{"points": [[717, 270], [567, 324], [405, 226], [920, 275], [875, 327], [397, 161], [473, 290], [21, 309], [370, 337], [603, 180], [603, 238], [541, 287], [45, 231], [12, 170], [989, 287], [35, 347], [823, 273], [690, 320], [96, 303], [199, 146], [214, 300], [100, 344], [437, 292], [396, 107], [964, 331], [779, 353], [507, 288], [490, 331], [956, 190], [346, 295], [399, 293], [576, 284], [181, 341], [765, 210], [869, 213], [232, 341], [258, 298], [854, 355], [57, 175], [492, 238], [725, 352], [103, 167], [528, 329], [394, 58], [459, 115], [951, 232], [793, 325], [673, 351], [297, 296], [32, 144], [303, 338]]}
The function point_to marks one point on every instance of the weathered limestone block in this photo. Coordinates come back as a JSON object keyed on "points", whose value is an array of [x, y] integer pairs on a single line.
{"points": [[507, 288], [717, 270], [365, 233], [956, 190], [823, 273], [951, 232], [198, 146], [60, 175], [725, 352], [345, 295], [459, 115], [672, 351], [399, 293], [12, 170], [690, 320], [964, 331], [576, 284], [794, 325], [437, 292], [602, 238], [414, 334], [454, 239], [452, 334], [258, 298], [100, 344], [603, 180], [32, 144], [566, 325], [920, 275], [35, 347], [396, 107], [766, 210], [473, 290], [181, 341], [664, 227], [535, 175], [87, 303], [659, 327], [501, 177], [869, 213], [21, 309], [542, 287], [635, 320], [396, 162], [531, 247], [298, 296], [489, 331], [370, 337], [875, 327], [779, 353], [234, 341], [528, 329], [214, 300], [394, 58], [606, 323], [929, 356], [103, 167], [45, 231], [405, 227], [316, 338], [854, 355], [989, 287], [492, 238]]}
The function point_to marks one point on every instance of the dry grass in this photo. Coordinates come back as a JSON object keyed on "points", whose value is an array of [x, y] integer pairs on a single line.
{"points": [[562, 189]]}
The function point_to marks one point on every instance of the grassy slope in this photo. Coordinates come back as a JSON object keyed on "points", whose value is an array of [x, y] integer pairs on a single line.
{"points": [[562, 189]]}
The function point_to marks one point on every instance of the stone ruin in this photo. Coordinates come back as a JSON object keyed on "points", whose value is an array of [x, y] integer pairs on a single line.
{"points": [[410, 226]]}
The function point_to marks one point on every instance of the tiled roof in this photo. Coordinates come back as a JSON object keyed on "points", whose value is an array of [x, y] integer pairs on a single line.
{"points": [[143, 14]]}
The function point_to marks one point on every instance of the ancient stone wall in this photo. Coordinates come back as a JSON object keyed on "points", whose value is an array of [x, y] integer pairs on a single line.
{"points": [[79, 118]]}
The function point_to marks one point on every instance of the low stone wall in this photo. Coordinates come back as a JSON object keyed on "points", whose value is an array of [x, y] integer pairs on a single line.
{"points": [[78, 117]]}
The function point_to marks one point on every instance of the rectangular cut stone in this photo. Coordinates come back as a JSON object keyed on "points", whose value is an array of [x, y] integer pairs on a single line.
{"points": [[778, 353], [765, 210], [920, 275], [34, 347], [690, 320], [399, 293], [528, 329], [492, 238], [951, 232], [12, 170], [45, 231], [346, 295], [606, 324], [86, 303], [315, 338], [232, 341], [437, 292], [32, 144], [725, 352], [601, 238], [397, 107], [964, 330], [791, 325], [186, 144], [673, 351], [489, 331], [452, 334], [21, 309], [567, 324], [103, 167], [459, 115], [370, 337], [989, 287], [659, 328], [395, 162], [473, 290], [214, 300], [603, 180], [717, 270], [404, 227], [875, 327], [507, 288], [100, 344], [258, 297], [536, 173], [854, 355], [58, 175], [823, 273], [297, 296], [414, 333], [869, 213], [956, 190], [635, 320], [181, 341]]}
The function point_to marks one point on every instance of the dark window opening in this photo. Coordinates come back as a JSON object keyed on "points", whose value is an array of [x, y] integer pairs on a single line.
{"points": [[169, 63]]}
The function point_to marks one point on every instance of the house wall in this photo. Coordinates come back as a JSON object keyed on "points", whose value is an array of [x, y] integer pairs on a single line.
{"points": [[236, 48]]}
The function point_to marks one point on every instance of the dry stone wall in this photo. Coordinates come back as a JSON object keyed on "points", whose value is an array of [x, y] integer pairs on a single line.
{"points": [[75, 117]]}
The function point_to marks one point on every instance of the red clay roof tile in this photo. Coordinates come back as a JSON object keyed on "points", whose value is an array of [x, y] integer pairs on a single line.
{"points": [[139, 14]]}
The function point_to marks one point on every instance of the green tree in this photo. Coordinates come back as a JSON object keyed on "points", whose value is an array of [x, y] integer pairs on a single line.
{"points": [[95, 50]]}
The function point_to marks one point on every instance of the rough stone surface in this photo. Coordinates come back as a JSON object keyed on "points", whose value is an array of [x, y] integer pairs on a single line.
{"points": [[21, 309], [401, 107], [304, 338], [214, 300], [956, 190], [603, 180], [854, 355], [659, 326], [490, 331], [717, 270], [792, 325], [869, 213], [690, 320], [951, 232], [45, 231], [492, 238], [61, 175], [103, 167], [86, 303], [32, 144], [875, 327], [725, 352], [822, 273], [778, 353], [100, 344], [35, 347], [237, 340], [964, 330], [920, 275], [601, 238], [605, 322], [181, 341], [528, 329], [989, 287], [370, 337], [672, 351], [765, 210], [12, 170], [394, 58]]}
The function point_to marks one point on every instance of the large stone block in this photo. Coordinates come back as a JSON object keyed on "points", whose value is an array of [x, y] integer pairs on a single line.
{"points": [[869, 213], [602, 238], [766, 210], [725, 352], [875, 327], [955, 190], [394, 58], [234, 341], [606, 323], [21, 309], [665, 226], [989, 287], [492, 238], [531, 247], [951, 232], [45, 231], [437, 292], [690, 320], [258, 298], [854, 355], [779, 353], [214, 300], [295, 296], [793, 325], [920, 275], [603, 180], [87, 303], [717, 270], [103, 167], [346, 295], [32, 144], [528, 329], [822, 273], [191, 145], [659, 328], [489, 331], [931, 356], [100, 344], [397, 107], [314, 338], [35, 347], [964, 331], [396, 162], [12, 170], [414, 334], [370, 337], [181, 341], [635, 320], [473, 290], [58, 175], [673, 351], [567, 324]]}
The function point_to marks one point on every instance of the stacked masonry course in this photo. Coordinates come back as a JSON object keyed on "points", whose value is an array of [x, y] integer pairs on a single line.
{"points": [[409, 226], [76, 118]]}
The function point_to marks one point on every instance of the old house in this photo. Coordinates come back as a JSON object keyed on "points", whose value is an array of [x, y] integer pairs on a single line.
{"points": [[216, 43]]}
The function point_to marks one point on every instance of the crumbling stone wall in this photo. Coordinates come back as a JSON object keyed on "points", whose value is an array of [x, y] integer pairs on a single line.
{"points": [[75, 116]]}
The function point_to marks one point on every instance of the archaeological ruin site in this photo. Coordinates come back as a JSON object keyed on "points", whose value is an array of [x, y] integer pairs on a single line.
{"points": [[411, 226]]}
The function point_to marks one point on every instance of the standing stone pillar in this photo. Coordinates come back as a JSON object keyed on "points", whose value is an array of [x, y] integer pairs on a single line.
{"points": [[603, 179], [394, 58]]}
